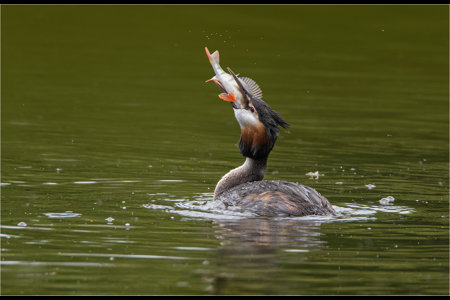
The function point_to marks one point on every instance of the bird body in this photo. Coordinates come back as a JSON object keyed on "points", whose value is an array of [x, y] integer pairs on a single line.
{"points": [[243, 188], [271, 198]]}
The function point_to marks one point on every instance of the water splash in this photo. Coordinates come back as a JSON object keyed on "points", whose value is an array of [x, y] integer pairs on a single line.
{"points": [[67, 214], [387, 200], [203, 206]]}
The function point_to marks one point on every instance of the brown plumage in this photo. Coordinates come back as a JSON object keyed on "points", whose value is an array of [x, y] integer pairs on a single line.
{"points": [[272, 198]]}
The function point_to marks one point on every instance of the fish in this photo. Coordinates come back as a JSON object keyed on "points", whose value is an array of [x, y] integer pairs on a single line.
{"points": [[227, 83]]}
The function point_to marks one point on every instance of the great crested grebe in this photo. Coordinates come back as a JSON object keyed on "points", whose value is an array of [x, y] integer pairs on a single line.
{"points": [[242, 188]]}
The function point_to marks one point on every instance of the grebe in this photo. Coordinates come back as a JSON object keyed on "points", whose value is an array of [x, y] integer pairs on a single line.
{"points": [[242, 188]]}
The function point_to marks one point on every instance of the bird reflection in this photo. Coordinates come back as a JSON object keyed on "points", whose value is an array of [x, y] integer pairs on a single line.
{"points": [[255, 250]]}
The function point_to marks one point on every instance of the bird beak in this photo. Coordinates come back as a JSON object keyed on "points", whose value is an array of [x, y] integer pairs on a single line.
{"points": [[219, 85], [245, 99]]}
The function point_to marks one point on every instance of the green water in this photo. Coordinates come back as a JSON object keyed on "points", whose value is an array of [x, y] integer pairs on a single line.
{"points": [[105, 113]]}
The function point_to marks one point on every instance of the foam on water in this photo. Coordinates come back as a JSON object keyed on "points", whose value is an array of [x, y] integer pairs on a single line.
{"points": [[203, 206]]}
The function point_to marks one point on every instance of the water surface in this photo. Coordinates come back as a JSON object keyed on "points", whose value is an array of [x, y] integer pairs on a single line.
{"points": [[112, 144]]}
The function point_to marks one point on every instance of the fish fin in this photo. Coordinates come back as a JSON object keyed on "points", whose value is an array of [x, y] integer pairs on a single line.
{"points": [[209, 55], [215, 56], [252, 86], [227, 97]]}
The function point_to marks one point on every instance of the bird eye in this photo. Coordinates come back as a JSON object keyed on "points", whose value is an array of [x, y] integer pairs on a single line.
{"points": [[252, 109]]}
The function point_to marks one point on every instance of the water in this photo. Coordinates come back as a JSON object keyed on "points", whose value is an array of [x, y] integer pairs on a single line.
{"points": [[112, 144]]}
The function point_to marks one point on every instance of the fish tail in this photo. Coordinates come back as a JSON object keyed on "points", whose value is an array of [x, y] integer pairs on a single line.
{"points": [[212, 57]]}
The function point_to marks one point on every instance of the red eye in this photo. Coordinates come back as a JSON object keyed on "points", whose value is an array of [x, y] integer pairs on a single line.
{"points": [[252, 109]]}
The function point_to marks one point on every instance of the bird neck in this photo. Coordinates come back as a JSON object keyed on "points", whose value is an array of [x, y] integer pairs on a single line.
{"points": [[252, 170]]}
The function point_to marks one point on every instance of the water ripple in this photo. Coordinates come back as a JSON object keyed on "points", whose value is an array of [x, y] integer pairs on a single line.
{"points": [[44, 263], [128, 256], [204, 207]]}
